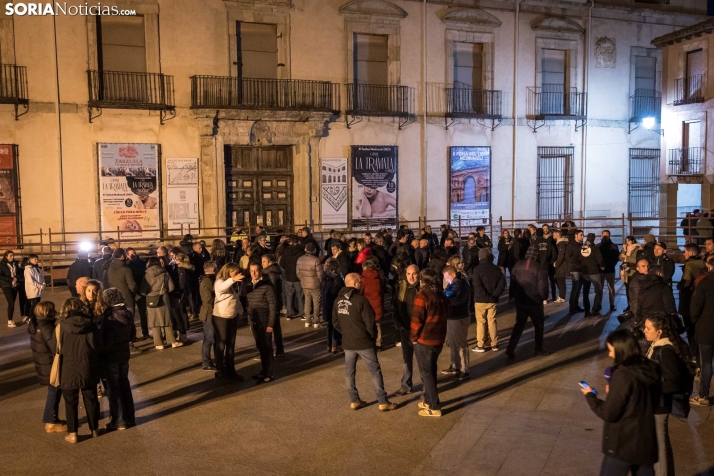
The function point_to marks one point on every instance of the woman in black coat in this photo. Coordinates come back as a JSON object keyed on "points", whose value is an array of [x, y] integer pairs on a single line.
{"points": [[629, 436], [118, 331], [9, 278], [330, 287], [672, 354], [43, 342], [81, 343]]}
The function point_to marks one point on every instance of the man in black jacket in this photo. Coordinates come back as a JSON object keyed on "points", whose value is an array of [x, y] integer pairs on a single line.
{"points": [[530, 283], [353, 317], [457, 327], [422, 254], [547, 255], [342, 258], [102, 264], [572, 258], [206, 289], [655, 296], [274, 273], [261, 315], [469, 255], [702, 315], [636, 282], [489, 282], [138, 271], [610, 256], [404, 294], [591, 265], [660, 258], [306, 237], [293, 289], [80, 268], [482, 239]]}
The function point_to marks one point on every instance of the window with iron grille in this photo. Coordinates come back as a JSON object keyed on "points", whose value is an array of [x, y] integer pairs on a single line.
{"points": [[555, 183], [644, 183]]}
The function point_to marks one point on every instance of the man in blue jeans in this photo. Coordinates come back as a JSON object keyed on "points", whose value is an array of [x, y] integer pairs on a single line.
{"points": [[572, 258], [352, 316], [702, 315]]}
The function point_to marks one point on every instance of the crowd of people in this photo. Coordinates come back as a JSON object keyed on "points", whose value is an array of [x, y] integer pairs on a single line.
{"points": [[429, 286]]}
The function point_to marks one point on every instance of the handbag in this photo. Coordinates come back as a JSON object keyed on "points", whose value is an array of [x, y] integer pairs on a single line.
{"points": [[57, 362], [156, 301]]}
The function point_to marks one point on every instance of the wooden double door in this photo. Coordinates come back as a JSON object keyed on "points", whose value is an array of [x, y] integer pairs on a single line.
{"points": [[259, 186]]}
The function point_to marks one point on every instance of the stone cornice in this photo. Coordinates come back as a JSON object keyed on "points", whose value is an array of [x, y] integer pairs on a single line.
{"points": [[373, 7], [705, 27]]}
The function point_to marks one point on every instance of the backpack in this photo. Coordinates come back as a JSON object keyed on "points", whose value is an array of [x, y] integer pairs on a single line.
{"points": [[680, 400]]}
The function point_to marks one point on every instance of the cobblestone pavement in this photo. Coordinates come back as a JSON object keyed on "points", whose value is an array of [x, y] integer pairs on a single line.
{"points": [[525, 417]]}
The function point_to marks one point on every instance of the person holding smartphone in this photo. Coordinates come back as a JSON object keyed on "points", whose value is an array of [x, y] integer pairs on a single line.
{"points": [[629, 436], [226, 309]]}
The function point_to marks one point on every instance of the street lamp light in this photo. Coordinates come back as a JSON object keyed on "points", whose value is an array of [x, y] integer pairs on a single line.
{"points": [[648, 122]]}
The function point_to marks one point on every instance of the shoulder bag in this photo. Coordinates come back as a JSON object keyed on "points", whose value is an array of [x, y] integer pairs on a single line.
{"points": [[156, 301], [57, 362]]}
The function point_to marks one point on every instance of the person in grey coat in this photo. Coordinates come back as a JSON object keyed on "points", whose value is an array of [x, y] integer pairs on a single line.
{"points": [[119, 276], [309, 272], [157, 283]]}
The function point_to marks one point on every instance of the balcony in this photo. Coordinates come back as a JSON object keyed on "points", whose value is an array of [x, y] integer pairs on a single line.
{"points": [[13, 87], [687, 162], [473, 103], [689, 90], [380, 100], [645, 103], [126, 90], [551, 103], [223, 92]]}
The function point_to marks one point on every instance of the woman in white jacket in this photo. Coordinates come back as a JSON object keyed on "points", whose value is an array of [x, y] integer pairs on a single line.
{"points": [[226, 308], [34, 284]]}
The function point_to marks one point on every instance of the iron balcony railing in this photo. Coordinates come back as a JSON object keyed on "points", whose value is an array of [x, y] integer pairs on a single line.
{"points": [[553, 102], [255, 93], [689, 89], [645, 103], [465, 102], [379, 100], [13, 84], [689, 161], [125, 90]]}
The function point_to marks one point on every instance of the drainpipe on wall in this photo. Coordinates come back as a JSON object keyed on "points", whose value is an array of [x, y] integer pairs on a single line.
{"points": [[59, 129], [425, 139], [515, 111], [584, 141], [309, 177]]}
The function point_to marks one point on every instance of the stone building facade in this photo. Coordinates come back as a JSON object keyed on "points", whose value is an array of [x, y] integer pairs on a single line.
{"points": [[261, 90], [688, 80]]}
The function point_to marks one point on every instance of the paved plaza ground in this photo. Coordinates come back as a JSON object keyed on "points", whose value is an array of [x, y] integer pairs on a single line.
{"points": [[524, 417]]}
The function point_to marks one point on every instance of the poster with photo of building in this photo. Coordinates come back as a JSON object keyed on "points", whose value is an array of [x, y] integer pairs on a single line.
{"points": [[333, 186], [470, 186], [129, 189], [374, 187]]}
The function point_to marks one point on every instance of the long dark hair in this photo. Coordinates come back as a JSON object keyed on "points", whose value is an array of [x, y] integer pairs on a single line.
{"points": [[627, 350], [663, 322]]}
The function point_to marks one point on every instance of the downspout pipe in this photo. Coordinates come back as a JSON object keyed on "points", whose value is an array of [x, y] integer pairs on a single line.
{"points": [[424, 138], [59, 129], [515, 110], [586, 85]]}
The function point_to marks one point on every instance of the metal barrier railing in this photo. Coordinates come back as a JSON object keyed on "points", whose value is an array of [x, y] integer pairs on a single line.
{"points": [[58, 250]]}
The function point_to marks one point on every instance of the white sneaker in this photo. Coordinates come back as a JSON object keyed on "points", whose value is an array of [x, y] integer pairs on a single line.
{"points": [[26, 319], [398, 344], [545, 302], [177, 344], [160, 347], [307, 324], [11, 324], [316, 326]]}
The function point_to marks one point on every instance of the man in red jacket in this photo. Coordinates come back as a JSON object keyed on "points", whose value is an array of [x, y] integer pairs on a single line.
{"points": [[430, 315]]}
